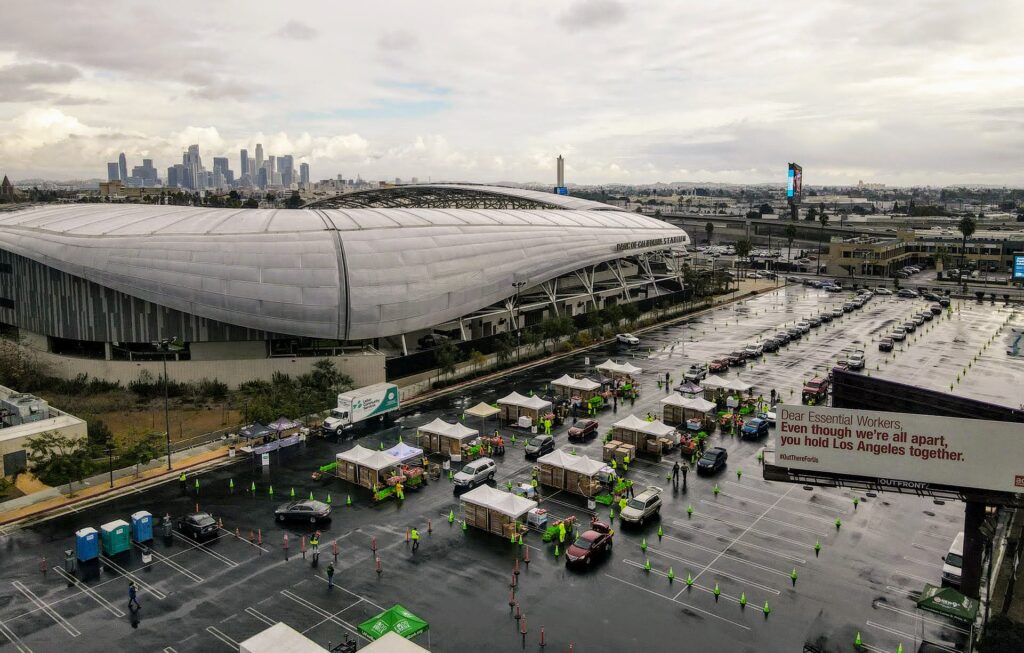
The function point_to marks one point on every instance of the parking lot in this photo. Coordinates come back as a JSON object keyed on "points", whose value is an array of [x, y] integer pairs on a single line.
{"points": [[752, 540]]}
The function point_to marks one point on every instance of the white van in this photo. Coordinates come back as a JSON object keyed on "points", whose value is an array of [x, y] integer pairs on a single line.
{"points": [[953, 562]]}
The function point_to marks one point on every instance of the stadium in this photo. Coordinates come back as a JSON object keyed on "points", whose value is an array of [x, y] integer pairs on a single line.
{"points": [[359, 277]]}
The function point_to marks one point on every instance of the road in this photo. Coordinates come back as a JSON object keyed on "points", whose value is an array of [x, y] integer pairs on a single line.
{"points": [[747, 539]]}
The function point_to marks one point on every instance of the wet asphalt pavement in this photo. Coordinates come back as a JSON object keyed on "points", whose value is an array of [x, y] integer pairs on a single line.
{"points": [[746, 540]]}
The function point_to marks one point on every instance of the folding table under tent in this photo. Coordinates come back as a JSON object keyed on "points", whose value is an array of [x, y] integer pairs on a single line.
{"points": [[363, 466], [642, 434], [516, 405], [572, 473], [405, 454], [444, 437], [495, 511]]}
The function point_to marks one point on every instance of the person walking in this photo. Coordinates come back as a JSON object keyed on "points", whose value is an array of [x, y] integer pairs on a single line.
{"points": [[414, 535], [675, 473], [629, 488], [182, 482], [132, 598], [314, 544], [330, 575], [686, 469]]}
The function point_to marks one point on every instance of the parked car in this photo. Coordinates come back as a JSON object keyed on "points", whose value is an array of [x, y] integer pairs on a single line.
{"points": [[814, 321], [754, 350], [771, 344], [885, 344], [477, 472], [539, 445], [917, 319], [816, 389], [769, 415], [795, 333], [944, 302], [754, 428], [719, 365], [849, 307], [590, 544], [906, 293], [311, 511], [804, 326], [783, 337], [930, 296], [856, 360], [696, 372], [737, 358], [432, 340], [926, 316], [898, 333], [793, 279], [833, 289], [909, 326], [953, 562], [197, 525], [882, 290], [936, 309], [643, 506], [583, 429], [825, 317], [627, 339], [713, 460]]}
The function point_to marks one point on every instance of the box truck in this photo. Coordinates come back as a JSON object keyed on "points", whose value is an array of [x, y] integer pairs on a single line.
{"points": [[369, 405]]}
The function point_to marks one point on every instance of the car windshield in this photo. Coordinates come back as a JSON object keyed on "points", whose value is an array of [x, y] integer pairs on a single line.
{"points": [[636, 504], [337, 414], [709, 456], [583, 543], [536, 442], [469, 469], [954, 560], [203, 520]]}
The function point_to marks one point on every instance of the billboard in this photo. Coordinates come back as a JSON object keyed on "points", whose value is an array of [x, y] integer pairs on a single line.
{"points": [[902, 450], [1018, 266], [794, 181]]}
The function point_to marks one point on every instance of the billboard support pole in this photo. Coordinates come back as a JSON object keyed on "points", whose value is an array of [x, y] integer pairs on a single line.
{"points": [[974, 549]]}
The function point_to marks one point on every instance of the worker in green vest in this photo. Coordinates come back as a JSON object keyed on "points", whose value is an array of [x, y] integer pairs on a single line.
{"points": [[182, 480], [414, 535]]}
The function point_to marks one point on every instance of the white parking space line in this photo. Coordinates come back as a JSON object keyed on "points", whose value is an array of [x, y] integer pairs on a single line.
{"points": [[172, 564], [724, 554], [333, 615], [774, 552], [923, 563], [686, 605], [89, 591], [912, 576], [60, 621], [131, 576], [906, 636], [767, 519], [168, 649], [201, 547], [9, 634], [795, 513], [925, 547], [718, 572], [358, 596], [259, 616], [902, 591], [919, 617], [323, 613], [695, 586], [752, 530], [222, 637], [944, 538]]}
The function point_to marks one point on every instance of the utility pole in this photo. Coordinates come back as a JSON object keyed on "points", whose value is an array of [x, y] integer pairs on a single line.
{"points": [[165, 346], [518, 285]]}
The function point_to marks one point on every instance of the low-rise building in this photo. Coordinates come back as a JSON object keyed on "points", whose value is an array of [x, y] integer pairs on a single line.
{"points": [[24, 416]]}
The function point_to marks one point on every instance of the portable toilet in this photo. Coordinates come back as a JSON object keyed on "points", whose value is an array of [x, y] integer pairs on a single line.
{"points": [[115, 537], [142, 526], [87, 544]]}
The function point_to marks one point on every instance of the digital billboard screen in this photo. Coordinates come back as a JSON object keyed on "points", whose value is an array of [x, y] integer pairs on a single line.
{"points": [[794, 181], [1018, 266]]}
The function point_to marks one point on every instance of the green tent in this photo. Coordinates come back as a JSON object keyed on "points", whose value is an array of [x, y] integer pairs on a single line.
{"points": [[395, 619], [949, 602]]}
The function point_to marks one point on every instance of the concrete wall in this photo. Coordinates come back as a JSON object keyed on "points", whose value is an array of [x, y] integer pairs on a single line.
{"points": [[220, 351], [364, 368]]}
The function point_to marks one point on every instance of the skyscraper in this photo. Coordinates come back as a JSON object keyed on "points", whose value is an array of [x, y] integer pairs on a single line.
{"points": [[259, 155], [195, 176], [113, 171], [122, 164], [303, 173], [286, 165], [244, 156], [221, 173]]}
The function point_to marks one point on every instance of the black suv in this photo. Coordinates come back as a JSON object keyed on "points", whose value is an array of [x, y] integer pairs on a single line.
{"points": [[771, 344], [712, 460], [198, 525]]}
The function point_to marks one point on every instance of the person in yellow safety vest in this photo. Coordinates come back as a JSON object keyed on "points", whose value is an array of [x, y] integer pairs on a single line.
{"points": [[547, 427], [613, 464], [398, 491], [182, 479], [561, 532], [414, 535], [314, 543], [622, 504], [629, 488]]}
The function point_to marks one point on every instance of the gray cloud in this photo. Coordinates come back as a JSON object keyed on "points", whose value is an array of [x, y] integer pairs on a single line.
{"points": [[212, 87], [24, 82], [293, 29], [592, 14], [397, 41]]}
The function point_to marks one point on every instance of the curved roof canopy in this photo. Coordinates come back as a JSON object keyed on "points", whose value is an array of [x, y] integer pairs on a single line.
{"points": [[458, 196], [339, 274]]}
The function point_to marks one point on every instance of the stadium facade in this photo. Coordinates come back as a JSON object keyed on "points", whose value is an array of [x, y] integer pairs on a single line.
{"points": [[348, 276]]}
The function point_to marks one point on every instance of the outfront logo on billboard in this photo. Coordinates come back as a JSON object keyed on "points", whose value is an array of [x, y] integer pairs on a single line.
{"points": [[1018, 481]]}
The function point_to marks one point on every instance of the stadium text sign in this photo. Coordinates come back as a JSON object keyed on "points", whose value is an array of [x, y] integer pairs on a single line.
{"points": [[901, 449]]}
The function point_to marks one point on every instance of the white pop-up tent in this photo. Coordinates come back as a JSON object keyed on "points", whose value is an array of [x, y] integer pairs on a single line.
{"points": [[444, 437], [516, 405], [619, 370], [567, 387], [404, 453], [572, 473], [642, 434], [714, 382], [363, 466], [677, 409], [494, 510]]}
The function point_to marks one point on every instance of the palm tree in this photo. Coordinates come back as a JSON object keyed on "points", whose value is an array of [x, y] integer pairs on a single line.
{"points": [[709, 229], [790, 237], [743, 248], [966, 226], [823, 219]]}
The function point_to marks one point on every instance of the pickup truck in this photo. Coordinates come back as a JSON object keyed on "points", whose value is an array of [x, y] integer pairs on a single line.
{"points": [[816, 389], [696, 373]]}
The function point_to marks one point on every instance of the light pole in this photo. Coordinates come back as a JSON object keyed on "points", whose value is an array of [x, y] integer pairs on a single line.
{"points": [[165, 346], [110, 462], [518, 285]]}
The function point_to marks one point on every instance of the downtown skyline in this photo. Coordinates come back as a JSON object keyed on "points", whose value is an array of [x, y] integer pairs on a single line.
{"points": [[628, 92]]}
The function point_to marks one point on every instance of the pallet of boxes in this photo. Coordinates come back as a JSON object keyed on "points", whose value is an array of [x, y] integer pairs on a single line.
{"points": [[618, 451]]}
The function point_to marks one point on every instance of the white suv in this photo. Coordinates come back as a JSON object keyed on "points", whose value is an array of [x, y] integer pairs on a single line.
{"points": [[476, 473], [642, 506]]}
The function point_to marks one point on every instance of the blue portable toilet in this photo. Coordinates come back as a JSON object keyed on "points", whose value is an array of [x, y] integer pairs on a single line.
{"points": [[115, 537], [87, 544], [142, 526]]}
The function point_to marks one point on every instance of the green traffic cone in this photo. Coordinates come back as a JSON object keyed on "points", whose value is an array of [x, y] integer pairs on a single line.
{"points": [[348, 501], [647, 564], [231, 485], [743, 600], [512, 538], [689, 580], [464, 527], [557, 552], [817, 548], [382, 446], [718, 592], [671, 575], [293, 493], [252, 487], [792, 576], [716, 490], [270, 491], [689, 510], [643, 544], [328, 498], [857, 641], [855, 502], [197, 486], [899, 649], [739, 474], [311, 496], [451, 516], [766, 610], [661, 532], [839, 523]]}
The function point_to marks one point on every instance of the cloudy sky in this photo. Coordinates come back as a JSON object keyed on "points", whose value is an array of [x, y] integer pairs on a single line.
{"points": [[929, 91]]}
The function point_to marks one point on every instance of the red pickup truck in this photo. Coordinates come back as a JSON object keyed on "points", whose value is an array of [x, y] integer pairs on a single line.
{"points": [[815, 391]]}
